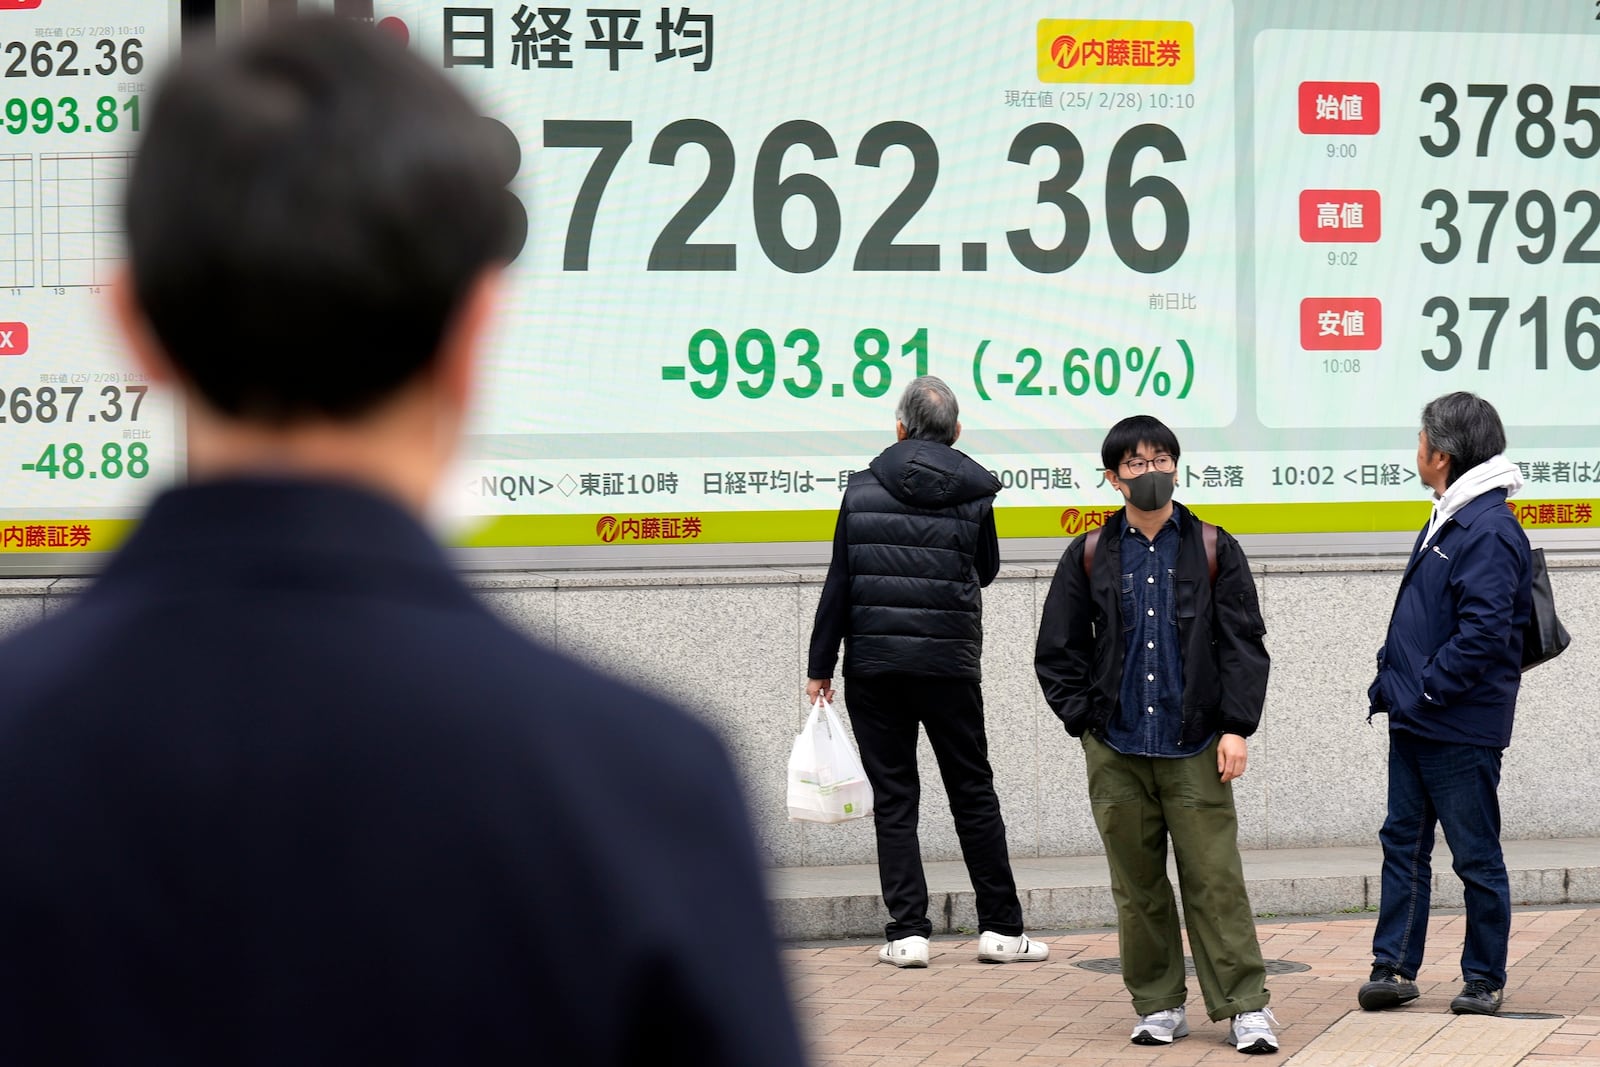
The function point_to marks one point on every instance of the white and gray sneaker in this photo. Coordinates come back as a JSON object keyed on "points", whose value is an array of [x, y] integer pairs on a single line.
{"points": [[1159, 1028], [1003, 948], [905, 952], [1252, 1031]]}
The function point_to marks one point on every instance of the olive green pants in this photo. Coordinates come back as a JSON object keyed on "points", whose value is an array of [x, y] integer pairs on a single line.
{"points": [[1138, 802]]}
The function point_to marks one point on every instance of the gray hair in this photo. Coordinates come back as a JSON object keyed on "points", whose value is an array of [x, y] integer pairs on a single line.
{"points": [[928, 410], [1464, 427]]}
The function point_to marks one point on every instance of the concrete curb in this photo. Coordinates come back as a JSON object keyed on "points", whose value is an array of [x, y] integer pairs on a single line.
{"points": [[1073, 892]]}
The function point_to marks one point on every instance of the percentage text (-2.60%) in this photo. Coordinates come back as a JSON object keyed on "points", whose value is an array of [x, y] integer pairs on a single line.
{"points": [[1109, 371]]}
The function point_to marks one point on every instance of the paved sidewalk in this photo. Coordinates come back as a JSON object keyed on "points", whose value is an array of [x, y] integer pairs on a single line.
{"points": [[858, 1012]]}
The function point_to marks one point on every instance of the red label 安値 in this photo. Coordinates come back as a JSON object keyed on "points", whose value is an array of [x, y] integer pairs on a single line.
{"points": [[13, 338], [1341, 324], [1340, 215], [1338, 108]]}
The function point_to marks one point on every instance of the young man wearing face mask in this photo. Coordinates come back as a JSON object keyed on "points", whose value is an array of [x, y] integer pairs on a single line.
{"points": [[1150, 651]]}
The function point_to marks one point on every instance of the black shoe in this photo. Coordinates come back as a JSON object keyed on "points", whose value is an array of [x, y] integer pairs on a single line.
{"points": [[1477, 998], [1386, 989]]}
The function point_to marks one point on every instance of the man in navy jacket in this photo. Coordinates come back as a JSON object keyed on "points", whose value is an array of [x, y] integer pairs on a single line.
{"points": [[278, 789], [1448, 674]]}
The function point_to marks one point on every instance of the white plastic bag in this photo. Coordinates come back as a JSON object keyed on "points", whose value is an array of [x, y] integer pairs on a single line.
{"points": [[826, 780]]}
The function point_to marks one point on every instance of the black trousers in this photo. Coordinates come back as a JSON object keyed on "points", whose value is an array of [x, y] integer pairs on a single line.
{"points": [[885, 711]]}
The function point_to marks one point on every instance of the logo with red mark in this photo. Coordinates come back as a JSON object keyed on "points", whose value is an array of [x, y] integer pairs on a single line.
{"points": [[1115, 51], [19, 5], [13, 338], [1064, 51], [645, 528], [1075, 522]]}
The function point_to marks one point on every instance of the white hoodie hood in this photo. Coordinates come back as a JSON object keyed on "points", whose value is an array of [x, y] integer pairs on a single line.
{"points": [[1496, 473]]}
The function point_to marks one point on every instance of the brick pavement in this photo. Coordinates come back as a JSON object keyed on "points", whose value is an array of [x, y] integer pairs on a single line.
{"points": [[858, 1012]]}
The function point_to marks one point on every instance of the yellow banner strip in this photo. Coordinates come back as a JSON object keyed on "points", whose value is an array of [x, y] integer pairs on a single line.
{"points": [[37, 536], [680, 528], [749, 527], [1012, 522], [33, 536], [1363, 517]]}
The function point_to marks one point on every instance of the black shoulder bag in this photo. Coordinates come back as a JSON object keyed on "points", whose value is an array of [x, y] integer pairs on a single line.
{"points": [[1544, 638]]}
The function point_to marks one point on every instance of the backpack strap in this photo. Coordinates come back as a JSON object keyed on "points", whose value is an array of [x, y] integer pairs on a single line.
{"points": [[1208, 537]]}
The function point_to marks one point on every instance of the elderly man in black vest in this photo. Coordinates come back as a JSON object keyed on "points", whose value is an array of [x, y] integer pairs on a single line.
{"points": [[914, 545]]}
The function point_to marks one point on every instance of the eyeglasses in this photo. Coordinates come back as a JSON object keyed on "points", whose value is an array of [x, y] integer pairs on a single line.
{"points": [[1137, 466]]}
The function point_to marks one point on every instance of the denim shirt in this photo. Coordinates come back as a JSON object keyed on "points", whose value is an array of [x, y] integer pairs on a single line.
{"points": [[1150, 719]]}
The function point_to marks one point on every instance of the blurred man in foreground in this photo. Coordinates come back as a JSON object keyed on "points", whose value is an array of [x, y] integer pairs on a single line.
{"points": [[277, 789]]}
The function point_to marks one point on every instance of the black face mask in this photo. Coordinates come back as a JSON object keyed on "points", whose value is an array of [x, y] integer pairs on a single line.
{"points": [[1151, 490]]}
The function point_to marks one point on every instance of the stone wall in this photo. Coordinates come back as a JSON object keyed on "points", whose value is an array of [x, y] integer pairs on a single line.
{"points": [[731, 646]]}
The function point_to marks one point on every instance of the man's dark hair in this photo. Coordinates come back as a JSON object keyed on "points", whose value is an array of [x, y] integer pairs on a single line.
{"points": [[1126, 436], [928, 410], [306, 213], [1465, 427]]}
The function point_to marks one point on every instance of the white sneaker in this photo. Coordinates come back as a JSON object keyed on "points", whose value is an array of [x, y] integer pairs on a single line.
{"points": [[1252, 1031], [1159, 1028], [907, 952], [998, 948]]}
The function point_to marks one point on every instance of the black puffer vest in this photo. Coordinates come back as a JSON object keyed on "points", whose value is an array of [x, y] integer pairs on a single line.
{"points": [[913, 522]]}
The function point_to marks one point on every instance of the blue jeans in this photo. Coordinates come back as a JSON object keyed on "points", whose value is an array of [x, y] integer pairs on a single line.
{"points": [[1455, 786]]}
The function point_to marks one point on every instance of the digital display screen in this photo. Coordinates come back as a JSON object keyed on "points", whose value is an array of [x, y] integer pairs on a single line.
{"points": [[84, 439], [749, 225]]}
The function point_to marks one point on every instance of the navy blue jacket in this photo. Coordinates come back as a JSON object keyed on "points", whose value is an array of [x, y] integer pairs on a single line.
{"points": [[1450, 666], [278, 789]]}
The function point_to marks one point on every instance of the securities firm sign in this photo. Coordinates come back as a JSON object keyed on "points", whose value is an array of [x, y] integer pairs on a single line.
{"points": [[1116, 51]]}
